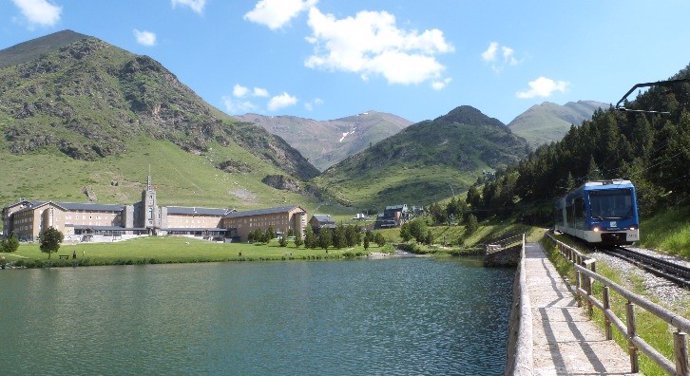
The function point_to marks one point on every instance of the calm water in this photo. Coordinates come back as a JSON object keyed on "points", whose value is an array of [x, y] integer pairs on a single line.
{"points": [[388, 317]]}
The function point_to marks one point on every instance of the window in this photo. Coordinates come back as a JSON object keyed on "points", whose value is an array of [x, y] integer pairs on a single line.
{"points": [[611, 204]]}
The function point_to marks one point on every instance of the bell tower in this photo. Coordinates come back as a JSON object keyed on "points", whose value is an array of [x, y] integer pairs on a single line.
{"points": [[150, 209]]}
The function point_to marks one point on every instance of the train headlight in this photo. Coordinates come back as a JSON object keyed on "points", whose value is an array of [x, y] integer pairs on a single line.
{"points": [[632, 228], [595, 229]]}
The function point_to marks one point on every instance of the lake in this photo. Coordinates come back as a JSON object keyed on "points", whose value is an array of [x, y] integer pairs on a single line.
{"points": [[408, 316]]}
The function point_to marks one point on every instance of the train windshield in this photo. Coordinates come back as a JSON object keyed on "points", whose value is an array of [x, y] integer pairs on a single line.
{"points": [[611, 204]]}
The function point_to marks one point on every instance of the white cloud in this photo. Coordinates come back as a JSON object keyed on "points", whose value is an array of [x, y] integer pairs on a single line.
{"points": [[260, 92], [490, 53], [370, 43], [277, 13], [195, 5], [309, 106], [440, 84], [507, 56], [239, 91], [543, 87], [237, 107], [39, 12], [145, 38], [281, 101]]}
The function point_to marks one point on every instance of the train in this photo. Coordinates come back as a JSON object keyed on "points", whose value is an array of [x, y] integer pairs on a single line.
{"points": [[600, 212]]}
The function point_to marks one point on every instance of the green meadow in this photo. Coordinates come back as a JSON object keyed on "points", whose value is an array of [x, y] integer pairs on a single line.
{"points": [[157, 250]]}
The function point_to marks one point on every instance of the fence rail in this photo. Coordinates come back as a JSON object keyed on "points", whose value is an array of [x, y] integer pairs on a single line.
{"points": [[586, 275]]}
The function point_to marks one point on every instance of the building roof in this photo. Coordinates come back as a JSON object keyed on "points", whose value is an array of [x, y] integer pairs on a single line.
{"points": [[194, 229], [74, 206], [216, 212], [88, 206], [323, 218], [35, 204], [251, 213], [397, 207]]}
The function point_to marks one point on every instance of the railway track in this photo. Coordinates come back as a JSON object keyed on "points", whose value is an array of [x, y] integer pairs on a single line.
{"points": [[676, 273]]}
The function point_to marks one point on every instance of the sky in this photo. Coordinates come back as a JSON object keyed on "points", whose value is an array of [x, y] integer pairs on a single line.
{"points": [[328, 59]]}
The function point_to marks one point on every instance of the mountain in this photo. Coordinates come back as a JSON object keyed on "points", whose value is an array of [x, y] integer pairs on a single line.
{"points": [[426, 161], [325, 143], [547, 122], [103, 114]]}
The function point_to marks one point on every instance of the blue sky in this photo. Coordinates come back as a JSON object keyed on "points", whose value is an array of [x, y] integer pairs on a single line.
{"points": [[326, 59]]}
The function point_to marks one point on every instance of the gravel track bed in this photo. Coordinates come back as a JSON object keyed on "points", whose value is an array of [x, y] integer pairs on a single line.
{"points": [[660, 290]]}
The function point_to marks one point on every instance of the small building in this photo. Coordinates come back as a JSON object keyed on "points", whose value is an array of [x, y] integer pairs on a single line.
{"points": [[393, 216], [282, 219], [320, 221]]}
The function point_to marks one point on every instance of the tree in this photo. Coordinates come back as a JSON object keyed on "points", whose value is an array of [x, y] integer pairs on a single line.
{"points": [[405, 232], [339, 240], [418, 230], [379, 239], [10, 244], [309, 238], [298, 241], [593, 172], [325, 238], [352, 235], [429, 239], [50, 239], [366, 243], [282, 241], [472, 224]]}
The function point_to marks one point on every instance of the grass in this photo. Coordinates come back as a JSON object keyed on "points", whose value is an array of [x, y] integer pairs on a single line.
{"points": [[157, 250], [668, 232], [651, 328]]}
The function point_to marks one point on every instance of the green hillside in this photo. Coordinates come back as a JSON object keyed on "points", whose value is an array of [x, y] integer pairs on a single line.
{"points": [[180, 178], [76, 112], [425, 162], [547, 122]]}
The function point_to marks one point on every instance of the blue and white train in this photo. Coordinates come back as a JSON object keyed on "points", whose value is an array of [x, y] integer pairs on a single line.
{"points": [[600, 212]]}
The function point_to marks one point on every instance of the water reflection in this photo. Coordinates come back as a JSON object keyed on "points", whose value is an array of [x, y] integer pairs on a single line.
{"points": [[397, 317]]}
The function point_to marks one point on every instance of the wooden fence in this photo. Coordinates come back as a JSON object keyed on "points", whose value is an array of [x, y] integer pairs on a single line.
{"points": [[586, 275]]}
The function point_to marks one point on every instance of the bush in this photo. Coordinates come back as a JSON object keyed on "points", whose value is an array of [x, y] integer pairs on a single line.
{"points": [[10, 244]]}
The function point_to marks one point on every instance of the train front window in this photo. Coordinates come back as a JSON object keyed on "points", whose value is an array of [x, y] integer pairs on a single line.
{"points": [[611, 204]]}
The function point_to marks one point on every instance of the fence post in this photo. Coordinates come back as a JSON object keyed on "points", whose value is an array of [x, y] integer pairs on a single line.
{"points": [[632, 350], [607, 320], [578, 284], [680, 352], [590, 283]]}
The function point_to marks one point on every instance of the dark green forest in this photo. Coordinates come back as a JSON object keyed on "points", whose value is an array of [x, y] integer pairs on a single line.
{"points": [[650, 149]]}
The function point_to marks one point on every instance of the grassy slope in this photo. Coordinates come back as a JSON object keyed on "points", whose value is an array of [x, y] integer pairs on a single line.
{"points": [[410, 185], [668, 232], [180, 178]]}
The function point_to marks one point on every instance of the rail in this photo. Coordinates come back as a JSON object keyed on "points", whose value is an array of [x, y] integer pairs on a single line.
{"points": [[521, 361], [586, 275]]}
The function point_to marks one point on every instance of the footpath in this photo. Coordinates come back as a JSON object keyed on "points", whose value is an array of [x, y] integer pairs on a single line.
{"points": [[565, 340]]}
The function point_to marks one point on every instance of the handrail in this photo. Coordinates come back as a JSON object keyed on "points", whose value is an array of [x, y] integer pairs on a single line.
{"points": [[524, 361], [585, 279]]}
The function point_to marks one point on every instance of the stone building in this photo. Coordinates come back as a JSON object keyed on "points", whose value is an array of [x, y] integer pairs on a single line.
{"points": [[90, 221], [281, 219]]}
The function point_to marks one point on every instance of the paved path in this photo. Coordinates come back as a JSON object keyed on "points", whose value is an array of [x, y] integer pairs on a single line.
{"points": [[565, 341]]}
